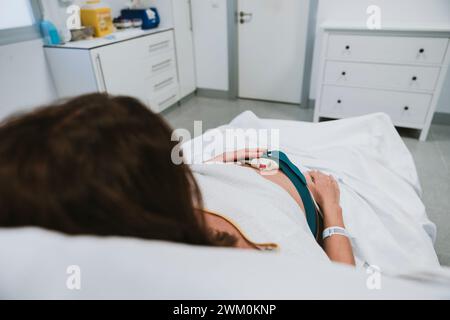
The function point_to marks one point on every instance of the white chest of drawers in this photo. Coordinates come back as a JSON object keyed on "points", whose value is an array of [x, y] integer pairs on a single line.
{"points": [[396, 70], [136, 63]]}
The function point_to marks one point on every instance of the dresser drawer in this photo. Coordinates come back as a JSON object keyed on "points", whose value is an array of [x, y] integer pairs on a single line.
{"points": [[405, 109], [163, 82], [384, 76], [160, 42], [387, 48], [153, 45], [161, 63], [164, 99]]}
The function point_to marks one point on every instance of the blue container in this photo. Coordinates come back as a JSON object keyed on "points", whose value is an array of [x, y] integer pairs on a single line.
{"points": [[50, 33], [142, 14]]}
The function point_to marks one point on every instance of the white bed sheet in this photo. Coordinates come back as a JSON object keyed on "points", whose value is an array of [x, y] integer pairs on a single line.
{"points": [[380, 190], [33, 265]]}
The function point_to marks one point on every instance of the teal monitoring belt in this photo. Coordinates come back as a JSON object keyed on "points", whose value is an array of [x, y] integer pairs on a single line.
{"points": [[313, 217]]}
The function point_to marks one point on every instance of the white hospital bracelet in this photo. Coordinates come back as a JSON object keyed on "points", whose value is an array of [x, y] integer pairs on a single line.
{"points": [[328, 232]]}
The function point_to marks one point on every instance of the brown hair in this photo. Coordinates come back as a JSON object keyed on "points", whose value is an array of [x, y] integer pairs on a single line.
{"points": [[99, 165]]}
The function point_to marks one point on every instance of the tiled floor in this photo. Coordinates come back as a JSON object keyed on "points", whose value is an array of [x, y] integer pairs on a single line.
{"points": [[432, 157]]}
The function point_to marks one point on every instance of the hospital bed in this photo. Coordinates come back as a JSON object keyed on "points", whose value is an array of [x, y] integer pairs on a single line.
{"points": [[39, 264]]}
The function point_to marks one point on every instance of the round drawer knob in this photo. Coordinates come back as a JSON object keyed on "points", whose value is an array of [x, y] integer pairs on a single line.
{"points": [[406, 108], [339, 101], [344, 73], [421, 50], [414, 78], [347, 47]]}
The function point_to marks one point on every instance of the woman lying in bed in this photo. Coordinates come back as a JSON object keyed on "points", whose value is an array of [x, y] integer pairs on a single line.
{"points": [[98, 165]]}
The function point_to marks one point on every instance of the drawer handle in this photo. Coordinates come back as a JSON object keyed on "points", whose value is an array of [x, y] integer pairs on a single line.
{"points": [[158, 46], [406, 108], [344, 73], [414, 78], [102, 75], [167, 100], [163, 84], [161, 65], [339, 101], [421, 50], [347, 50]]}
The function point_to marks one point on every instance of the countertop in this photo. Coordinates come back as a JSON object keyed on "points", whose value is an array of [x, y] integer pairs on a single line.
{"points": [[115, 37]]}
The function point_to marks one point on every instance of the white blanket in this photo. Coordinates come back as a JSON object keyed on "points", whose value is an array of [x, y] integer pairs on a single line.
{"points": [[33, 264], [380, 191]]}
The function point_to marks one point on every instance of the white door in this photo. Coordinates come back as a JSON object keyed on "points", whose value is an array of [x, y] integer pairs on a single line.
{"points": [[184, 46], [272, 46]]}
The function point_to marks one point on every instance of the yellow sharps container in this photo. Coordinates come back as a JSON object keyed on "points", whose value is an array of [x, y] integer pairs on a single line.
{"points": [[99, 16]]}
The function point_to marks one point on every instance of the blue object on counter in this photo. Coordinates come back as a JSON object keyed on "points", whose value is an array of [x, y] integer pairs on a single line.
{"points": [[50, 33], [143, 14]]}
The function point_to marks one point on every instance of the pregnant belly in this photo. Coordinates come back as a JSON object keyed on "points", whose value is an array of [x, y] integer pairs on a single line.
{"points": [[284, 182]]}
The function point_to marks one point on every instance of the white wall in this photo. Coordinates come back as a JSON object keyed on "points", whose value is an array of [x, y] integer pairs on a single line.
{"points": [[393, 11], [211, 43], [25, 79]]}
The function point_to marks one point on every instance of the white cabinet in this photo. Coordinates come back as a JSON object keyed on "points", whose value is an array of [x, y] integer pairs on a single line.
{"points": [[182, 19], [138, 64], [399, 71]]}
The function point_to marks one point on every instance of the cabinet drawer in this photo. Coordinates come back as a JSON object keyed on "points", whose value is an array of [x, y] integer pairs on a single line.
{"points": [[163, 82], [405, 109], [158, 43], [381, 75], [164, 99], [387, 48], [160, 64]]}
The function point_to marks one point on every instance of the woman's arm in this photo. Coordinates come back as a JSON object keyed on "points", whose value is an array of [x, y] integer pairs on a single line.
{"points": [[326, 192]]}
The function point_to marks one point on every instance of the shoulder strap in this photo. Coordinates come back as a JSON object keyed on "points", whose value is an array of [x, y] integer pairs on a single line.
{"points": [[300, 183]]}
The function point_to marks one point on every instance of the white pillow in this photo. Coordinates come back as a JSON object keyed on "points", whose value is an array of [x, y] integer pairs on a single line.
{"points": [[34, 263]]}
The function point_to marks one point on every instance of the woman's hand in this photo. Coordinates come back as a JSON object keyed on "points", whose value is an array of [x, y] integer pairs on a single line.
{"points": [[324, 189], [326, 192], [239, 155]]}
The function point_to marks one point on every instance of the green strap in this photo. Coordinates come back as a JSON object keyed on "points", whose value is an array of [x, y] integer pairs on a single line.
{"points": [[300, 183]]}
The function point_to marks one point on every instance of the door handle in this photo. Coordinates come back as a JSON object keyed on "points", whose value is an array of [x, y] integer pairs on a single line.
{"points": [[245, 17]]}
